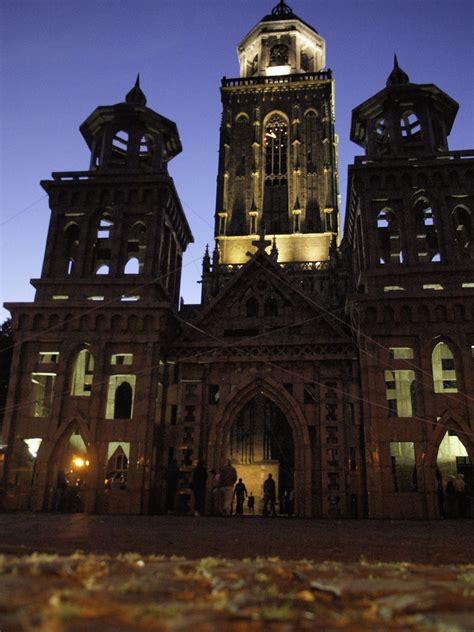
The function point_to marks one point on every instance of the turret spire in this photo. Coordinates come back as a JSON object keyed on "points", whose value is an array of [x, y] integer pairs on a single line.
{"points": [[397, 77], [136, 94]]}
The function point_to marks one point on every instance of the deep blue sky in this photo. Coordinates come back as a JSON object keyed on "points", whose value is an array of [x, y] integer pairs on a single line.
{"points": [[61, 59]]}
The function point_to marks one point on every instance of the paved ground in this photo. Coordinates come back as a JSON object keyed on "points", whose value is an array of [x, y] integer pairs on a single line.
{"points": [[436, 542]]}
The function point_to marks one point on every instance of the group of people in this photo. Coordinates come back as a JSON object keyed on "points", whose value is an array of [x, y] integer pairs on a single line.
{"points": [[228, 492], [225, 493], [453, 500]]}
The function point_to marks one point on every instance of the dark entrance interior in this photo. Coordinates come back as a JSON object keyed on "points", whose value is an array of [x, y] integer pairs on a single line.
{"points": [[260, 442]]}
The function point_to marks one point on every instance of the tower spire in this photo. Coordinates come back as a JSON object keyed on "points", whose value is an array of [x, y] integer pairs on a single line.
{"points": [[136, 94], [397, 77]]}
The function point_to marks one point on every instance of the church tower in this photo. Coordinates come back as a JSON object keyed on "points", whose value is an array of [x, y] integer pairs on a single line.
{"points": [[278, 154], [89, 362], [409, 234]]}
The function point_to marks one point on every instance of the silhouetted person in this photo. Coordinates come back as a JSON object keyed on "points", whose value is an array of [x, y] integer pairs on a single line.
{"points": [[199, 488], [62, 485], [269, 496], [227, 478], [251, 503], [450, 500], [172, 478], [462, 499], [240, 493]]}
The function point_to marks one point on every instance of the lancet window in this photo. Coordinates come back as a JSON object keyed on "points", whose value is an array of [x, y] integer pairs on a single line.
{"points": [[444, 369], [83, 374]]}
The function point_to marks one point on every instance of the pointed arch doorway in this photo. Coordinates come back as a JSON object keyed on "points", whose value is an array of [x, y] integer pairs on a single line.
{"points": [[69, 473], [452, 461], [260, 442]]}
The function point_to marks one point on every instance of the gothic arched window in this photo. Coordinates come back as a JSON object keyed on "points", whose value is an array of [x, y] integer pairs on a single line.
{"points": [[136, 248], [83, 374], [427, 246], [275, 205], [464, 227], [444, 369], [71, 243], [276, 149], [102, 245], [388, 237], [123, 401], [120, 397]]}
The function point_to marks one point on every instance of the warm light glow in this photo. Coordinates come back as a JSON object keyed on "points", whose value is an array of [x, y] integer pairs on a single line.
{"points": [[274, 71], [293, 247], [79, 462]]}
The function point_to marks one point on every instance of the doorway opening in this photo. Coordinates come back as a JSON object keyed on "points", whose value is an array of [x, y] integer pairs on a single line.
{"points": [[455, 476], [71, 476], [260, 442]]}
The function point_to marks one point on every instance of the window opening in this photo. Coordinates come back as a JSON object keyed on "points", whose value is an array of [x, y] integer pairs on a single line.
{"points": [[444, 369], [388, 237], [426, 235], [410, 126], [48, 357], [132, 266], [136, 249], [433, 286], [275, 207], [401, 353], [83, 374], [213, 392], [122, 359], [71, 245], [42, 393], [401, 393], [463, 226], [118, 457], [120, 397]]}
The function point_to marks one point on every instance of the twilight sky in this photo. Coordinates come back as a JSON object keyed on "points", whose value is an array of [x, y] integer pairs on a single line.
{"points": [[61, 59]]}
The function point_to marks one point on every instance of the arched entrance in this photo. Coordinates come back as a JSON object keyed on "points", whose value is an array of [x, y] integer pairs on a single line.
{"points": [[453, 462], [260, 442], [219, 435], [69, 473]]}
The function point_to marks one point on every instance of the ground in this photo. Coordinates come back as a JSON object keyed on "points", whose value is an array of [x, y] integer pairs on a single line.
{"points": [[205, 574]]}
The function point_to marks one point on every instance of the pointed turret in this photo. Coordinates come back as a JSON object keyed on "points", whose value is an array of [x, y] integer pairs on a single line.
{"points": [[397, 77], [136, 94], [130, 136], [404, 119]]}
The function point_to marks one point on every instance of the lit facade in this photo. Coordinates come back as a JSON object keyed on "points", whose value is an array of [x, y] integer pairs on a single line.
{"points": [[344, 368]]}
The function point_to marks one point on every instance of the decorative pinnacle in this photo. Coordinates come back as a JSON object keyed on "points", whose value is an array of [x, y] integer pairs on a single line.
{"points": [[397, 77], [136, 94], [282, 9]]}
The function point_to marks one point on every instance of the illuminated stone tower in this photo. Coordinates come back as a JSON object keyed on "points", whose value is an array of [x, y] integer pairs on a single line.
{"points": [[88, 366], [277, 163]]}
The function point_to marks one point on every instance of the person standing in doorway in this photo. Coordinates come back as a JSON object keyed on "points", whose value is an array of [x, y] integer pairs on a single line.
{"points": [[462, 499], [227, 478], [240, 493], [269, 496]]}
